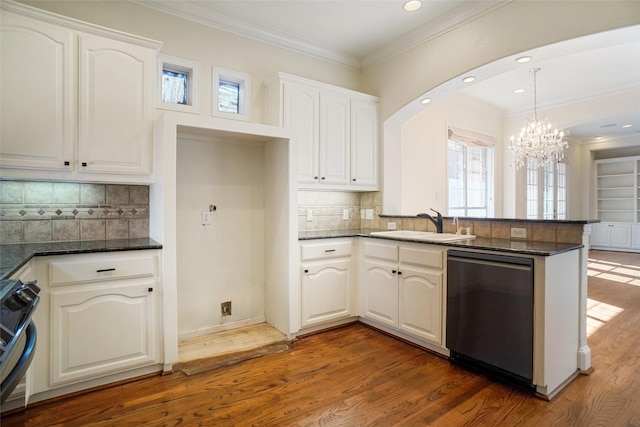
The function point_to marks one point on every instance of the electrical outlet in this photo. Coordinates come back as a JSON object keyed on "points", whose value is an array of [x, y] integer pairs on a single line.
{"points": [[225, 308], [519, 233], [391, 226], [368, 213], [361, 213], [345, 214]]}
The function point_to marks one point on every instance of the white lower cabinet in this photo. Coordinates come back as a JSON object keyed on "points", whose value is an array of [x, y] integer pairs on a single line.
{"points": [[98, 321], [101, 330], [401, 287], [326, 281], [607, 235]]}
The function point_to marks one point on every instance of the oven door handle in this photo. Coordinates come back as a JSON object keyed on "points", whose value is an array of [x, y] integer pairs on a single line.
{"points": [[20, 369]]}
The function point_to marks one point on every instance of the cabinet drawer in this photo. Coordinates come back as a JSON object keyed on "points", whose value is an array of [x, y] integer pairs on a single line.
{"points": [[325, 250], [381, 251], [101, 268], [424, 257]]}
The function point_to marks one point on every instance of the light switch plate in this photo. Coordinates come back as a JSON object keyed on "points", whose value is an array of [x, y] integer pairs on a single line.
{"points": [[391, 226], [368, 213], [205, 217]]}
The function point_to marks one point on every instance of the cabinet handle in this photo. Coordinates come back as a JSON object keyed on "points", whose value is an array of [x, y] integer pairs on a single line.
{"points": [[306, 271], [150, 289], [84, 164], [105, 269], [329, 250], [67, 163]]}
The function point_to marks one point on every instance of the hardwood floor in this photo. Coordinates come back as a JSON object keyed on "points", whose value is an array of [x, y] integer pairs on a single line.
{"points": [[356, 376]]}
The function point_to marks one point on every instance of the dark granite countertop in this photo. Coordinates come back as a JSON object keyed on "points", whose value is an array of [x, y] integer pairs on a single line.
{"points": [[14, 256], [532, 221], [499, 245]]}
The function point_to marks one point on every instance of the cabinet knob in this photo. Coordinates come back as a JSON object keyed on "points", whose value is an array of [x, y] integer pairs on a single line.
{"points": [[306, 271], [322, 178], [150, 289], [67, 163], [84, 164], [354, 180], [399, 272], [315, 177], [393, 271]]}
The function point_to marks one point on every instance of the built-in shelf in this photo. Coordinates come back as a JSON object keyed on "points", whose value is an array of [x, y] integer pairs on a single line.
{"points": [[617, 183]]}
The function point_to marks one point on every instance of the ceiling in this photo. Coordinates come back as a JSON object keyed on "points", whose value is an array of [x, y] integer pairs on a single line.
{"points": [[361, 33]]}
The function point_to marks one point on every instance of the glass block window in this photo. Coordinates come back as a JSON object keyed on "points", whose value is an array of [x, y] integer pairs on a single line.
{"points": [[229, 97], [177, 84], [231, 94], [174, 87]]}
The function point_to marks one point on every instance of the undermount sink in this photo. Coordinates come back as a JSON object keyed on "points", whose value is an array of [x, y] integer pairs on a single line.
{"points": [[426, 236]]}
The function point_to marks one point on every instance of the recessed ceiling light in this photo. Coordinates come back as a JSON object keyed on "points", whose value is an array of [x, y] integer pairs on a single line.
{"points": [[626, 126], [518, 91], [468, 79], [523, 59], [425, 101], [598, 138], [412, 5]]}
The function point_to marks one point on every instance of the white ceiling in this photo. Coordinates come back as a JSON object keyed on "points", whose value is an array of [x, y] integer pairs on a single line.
{"points": [[361, 33]]}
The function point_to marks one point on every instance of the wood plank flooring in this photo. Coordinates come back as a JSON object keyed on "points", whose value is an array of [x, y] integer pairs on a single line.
{"points": [[356, 376]]}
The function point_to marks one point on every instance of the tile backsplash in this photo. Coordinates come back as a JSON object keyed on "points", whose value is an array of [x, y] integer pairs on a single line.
{"points": [[327, 210], [34, 212]]}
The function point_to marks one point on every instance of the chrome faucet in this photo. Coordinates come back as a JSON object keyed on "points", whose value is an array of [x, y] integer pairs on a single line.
{"points": [[437, 222]]}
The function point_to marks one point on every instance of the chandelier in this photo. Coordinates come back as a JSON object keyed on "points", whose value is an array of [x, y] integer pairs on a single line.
{"points": [[539, 143]]}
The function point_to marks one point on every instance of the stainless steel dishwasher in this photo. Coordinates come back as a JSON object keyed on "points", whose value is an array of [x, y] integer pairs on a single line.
{"points": [[490, 314]]}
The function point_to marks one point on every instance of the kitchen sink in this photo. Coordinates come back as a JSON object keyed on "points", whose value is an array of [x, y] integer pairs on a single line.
{"points": [[426, 236]]}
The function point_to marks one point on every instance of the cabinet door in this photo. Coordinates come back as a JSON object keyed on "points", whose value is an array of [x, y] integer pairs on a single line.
{"points": [[621, 235], [334, 138], [600, 234], [302, 117], [101, 331], [117, 86], [635, 238], [420, 311], [325, 292], [36, 111], [380, 283], [364, 144]]}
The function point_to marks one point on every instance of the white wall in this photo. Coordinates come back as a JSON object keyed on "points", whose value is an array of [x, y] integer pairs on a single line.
{"points": [[223, 261], [424, 151], [500, 35], [208, 47]]}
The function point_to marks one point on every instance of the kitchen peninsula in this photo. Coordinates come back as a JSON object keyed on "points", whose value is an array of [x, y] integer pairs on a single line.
{"points": [[559, 252]]}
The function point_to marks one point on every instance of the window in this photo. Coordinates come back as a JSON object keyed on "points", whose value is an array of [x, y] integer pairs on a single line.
{"points": [[231, 94], [470, 174], [174, 87], [547, 192], [177, 84]]}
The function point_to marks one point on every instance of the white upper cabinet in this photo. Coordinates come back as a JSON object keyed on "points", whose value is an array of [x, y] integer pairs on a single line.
{"points": [[335, 132], [37, 92], [334, 139], [77, 100], [364, 144], [302, 117], [117, 87]]}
